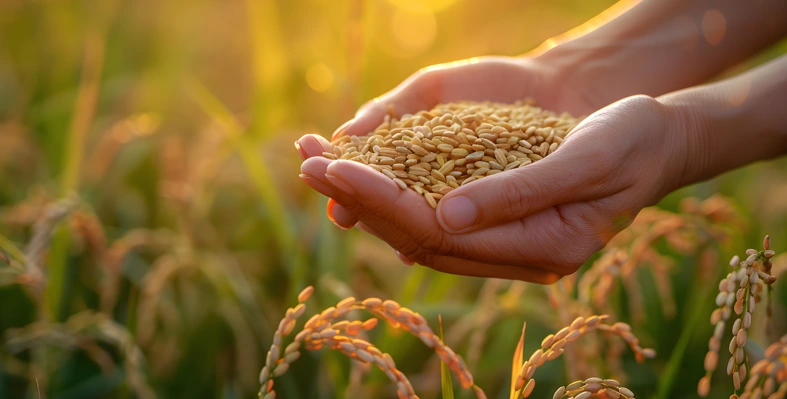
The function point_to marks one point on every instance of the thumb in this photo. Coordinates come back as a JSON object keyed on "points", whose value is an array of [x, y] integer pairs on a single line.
{"points": [[418, 92], [574, 173], [368, 117]]}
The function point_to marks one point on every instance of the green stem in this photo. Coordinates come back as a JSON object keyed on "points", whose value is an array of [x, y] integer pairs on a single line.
{"points": [[673, 368], [9, 247], [84, 110], [261, 177]]}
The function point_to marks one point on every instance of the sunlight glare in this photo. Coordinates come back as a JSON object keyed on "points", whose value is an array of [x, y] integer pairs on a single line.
{"points": [[414, 31], [319, 77], [714, 26], [422, 5]]}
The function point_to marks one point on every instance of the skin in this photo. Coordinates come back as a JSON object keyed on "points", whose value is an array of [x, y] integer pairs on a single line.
{"points": [[542, 222]]}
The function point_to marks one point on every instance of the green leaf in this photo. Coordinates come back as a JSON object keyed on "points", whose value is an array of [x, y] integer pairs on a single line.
{"points": [[12, 250], [445, 373], [518, 360]]}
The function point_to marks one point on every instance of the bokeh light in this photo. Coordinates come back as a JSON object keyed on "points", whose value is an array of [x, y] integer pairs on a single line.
{"points": [[423, 5], [714, 26], [414, 30], [738, 93], [319, 77]]}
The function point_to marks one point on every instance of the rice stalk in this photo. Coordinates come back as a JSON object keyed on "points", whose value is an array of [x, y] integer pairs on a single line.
{"points": [[323, 330], [260, 174], [116, 253], [39, 245], [120, 134], [270, 69], [84, 109], [83, 331], [739, 292], [594, 387], [445, 373], [553, 346], [768, 377]]}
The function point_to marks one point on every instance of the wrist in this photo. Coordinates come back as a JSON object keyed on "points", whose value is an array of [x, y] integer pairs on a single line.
{"points": [[595, 70], [727, 125], [577, 68], [687, 126]]}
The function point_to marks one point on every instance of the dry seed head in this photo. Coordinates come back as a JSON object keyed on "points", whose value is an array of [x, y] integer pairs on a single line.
{"points": [[322, 330], [365, 352], [553, 346], [305, 294], [426, 146], [345, 303], [593, 386], [528, 389], [747, 282], [479, 393], [768, 372]]}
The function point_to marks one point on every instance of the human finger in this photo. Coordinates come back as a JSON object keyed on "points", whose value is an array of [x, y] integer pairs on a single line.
{"points": [[312, 145], [340, 216]]}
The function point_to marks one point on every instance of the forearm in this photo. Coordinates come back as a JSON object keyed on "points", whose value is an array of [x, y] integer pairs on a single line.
{"points": [[658, 46], [733, 122]]}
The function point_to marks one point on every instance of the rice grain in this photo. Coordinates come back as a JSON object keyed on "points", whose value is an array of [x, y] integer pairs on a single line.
{"points": [[466, 140]]}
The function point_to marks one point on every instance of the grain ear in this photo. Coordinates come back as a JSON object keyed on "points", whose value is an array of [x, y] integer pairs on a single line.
{"points": [[739, 292]]}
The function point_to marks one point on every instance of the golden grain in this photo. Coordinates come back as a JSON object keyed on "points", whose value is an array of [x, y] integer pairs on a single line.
{"points": [[553, 346], [323, 330], [453, 138], [739, 291], [594, 386]]}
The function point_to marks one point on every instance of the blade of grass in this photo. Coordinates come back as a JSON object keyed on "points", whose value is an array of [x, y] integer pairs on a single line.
{"points": [[260, 176], [10, 248], [334, 249], [270, 66], [257, 169], [697, 301], [84, 110], [415, 281], [516, 364], [445, 372]]}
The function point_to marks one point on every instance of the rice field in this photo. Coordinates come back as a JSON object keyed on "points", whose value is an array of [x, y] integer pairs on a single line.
{"points": [[154, 232]]}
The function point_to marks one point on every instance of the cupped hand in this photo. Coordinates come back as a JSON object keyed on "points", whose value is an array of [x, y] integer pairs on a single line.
{"points": [[536, 223]]}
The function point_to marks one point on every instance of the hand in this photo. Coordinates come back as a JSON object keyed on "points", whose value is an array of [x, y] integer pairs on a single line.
{"points": [[536, 223]]}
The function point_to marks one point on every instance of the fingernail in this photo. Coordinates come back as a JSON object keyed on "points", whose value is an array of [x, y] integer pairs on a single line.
{"points": [[340, 184], [329, 210], [458, 213], [300, 151], [340, 131], [404, 259], [317, 185]]}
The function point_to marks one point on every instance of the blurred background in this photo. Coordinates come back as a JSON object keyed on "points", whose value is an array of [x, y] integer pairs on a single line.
{"points": [[153, 229]]}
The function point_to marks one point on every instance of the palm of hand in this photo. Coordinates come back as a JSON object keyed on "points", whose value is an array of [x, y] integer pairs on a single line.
{"points": [[525, 232]]}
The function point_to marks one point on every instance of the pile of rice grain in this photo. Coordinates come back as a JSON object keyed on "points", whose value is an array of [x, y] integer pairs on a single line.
{"points": [[453, 144]]}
